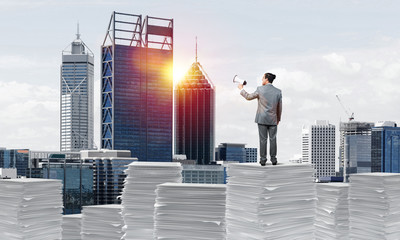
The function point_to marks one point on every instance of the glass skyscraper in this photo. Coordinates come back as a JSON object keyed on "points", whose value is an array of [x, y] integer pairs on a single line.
{"points": [[195, 116], [136, 86], [385, 148], [76, 120]]}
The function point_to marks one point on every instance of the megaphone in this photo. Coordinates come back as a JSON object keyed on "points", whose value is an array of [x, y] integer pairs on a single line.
{"points": [[238, 80]]}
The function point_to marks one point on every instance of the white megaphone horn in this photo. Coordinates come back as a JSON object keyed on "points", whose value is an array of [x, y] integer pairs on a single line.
{"points": [[238, 80]]}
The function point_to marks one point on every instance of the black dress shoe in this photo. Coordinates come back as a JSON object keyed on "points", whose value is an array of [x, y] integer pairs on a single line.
{"points": [[262, 164], [274, 163]]}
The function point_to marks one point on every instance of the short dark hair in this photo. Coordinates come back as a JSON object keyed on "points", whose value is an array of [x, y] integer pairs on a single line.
{"points": [[270, 77]]}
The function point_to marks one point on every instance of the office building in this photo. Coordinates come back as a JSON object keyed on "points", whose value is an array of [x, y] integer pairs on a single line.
{"points": [[251, 154], [305, 144], [8, 173], [108, 173], [136, 86], [76, 177], [385, 147], [15, 158], [348, 129], [321, 150], [206, 174], [195, 115], [231, 152], [357, 153], [76, 97]]}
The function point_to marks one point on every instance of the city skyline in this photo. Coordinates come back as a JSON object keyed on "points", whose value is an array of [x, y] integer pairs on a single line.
{"points": [[315, 54]]}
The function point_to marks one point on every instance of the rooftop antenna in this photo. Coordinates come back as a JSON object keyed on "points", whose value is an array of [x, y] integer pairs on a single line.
{"points": [[196, 48], [77, 32]]}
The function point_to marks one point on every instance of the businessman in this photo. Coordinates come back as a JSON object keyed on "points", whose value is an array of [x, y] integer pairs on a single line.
{"points": [[268, 115]]}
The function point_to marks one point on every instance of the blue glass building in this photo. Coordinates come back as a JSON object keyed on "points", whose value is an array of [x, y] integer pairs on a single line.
{"points": [[231, 152], [385, 149], [358, 153], [137, 86], [15, 158], [75, 175]]}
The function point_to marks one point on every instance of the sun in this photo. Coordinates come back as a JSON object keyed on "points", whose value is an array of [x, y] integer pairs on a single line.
{"points": [[179, 72]]}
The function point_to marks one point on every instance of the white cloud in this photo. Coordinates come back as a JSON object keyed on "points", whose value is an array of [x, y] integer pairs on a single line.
{"points": [[29, 116], [340, 64]]}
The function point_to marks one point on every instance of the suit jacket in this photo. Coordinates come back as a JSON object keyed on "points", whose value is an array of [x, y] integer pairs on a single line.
{"points": [[269, 104]]}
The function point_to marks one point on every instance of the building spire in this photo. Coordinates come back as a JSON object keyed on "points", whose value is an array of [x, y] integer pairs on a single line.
{"points": [[196, 49], [77, 32]]}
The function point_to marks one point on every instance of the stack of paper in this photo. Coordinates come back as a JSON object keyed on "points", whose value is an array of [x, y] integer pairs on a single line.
{"points": [[332, 212], [102, 222], [138, 196], [374, 206], [71, 227], [30, 208], [270, 202], [190, 211]]}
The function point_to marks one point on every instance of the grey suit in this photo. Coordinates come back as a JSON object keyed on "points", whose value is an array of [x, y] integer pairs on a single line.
{"points": [[267, 117]]}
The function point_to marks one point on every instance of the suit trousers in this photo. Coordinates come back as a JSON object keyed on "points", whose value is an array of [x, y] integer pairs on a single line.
{"points": [[264, 132]]}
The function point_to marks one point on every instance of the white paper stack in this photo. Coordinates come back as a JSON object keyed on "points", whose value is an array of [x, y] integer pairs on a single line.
{"points": [[138, 196], [270, 202], [374, 206], [30, 208], [71, 227], [190, 211], [102, 222], [332, 212]]}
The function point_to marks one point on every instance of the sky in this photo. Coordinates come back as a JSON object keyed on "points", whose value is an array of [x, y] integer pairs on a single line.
{"points": [[317, 49]]}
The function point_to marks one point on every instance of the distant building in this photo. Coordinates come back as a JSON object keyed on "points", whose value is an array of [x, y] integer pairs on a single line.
{"points": [[231, 152], [305, 144], [108, 173], [385, 148], [137, 86], [207, 174], [76, 176], [251, 154], [321, 150], [195, 115], [349, 129], [358, 154], [15, 158], [76, 97]]}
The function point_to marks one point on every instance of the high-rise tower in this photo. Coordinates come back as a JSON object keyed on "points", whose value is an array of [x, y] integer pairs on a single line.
{"points": [[195, 115], [76, 93], [136, 86], [319, 148]]}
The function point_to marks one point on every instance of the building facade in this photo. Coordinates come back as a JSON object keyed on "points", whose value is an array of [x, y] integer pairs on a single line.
{"points": [[76, 177], [349, 129], [251, 155], [305, 144], [205, 174], [136, 86], [385, 148], [321, 150], [231, 152], [108, 173], [358, 154], [195, 115], [15, 158], [76, 97]]}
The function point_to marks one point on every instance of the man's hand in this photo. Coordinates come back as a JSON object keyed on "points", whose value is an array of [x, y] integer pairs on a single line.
{"points": [[240, 86]]}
